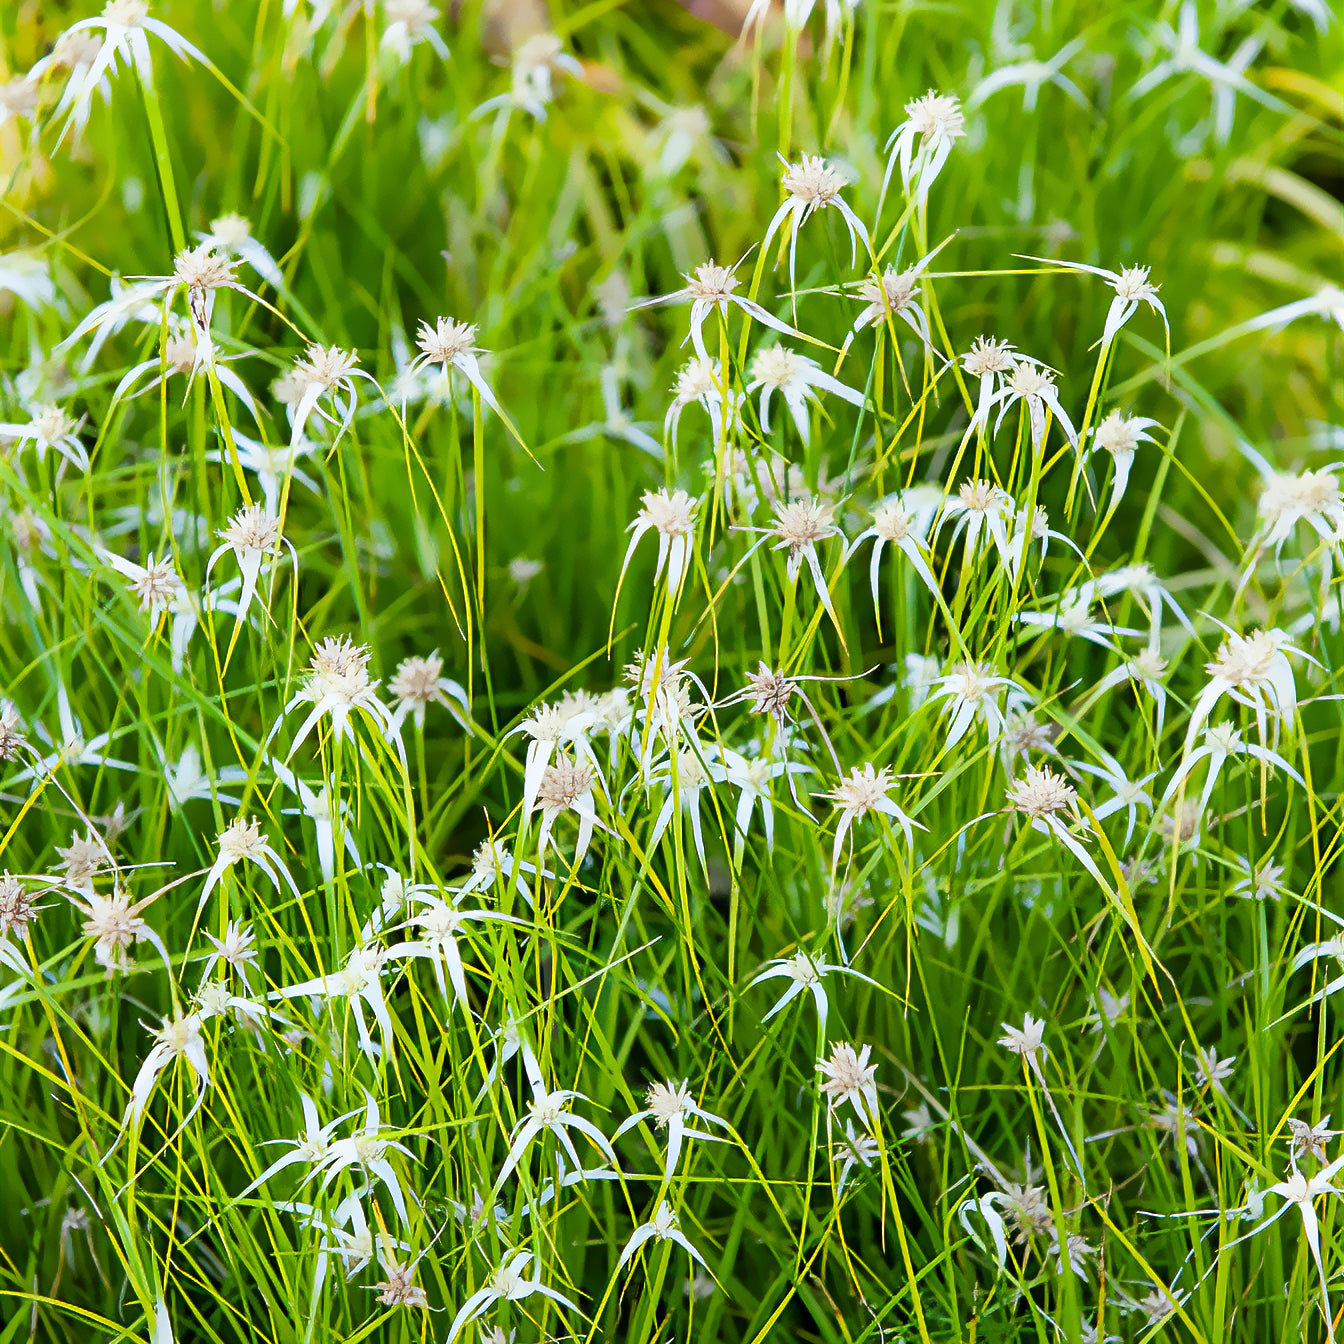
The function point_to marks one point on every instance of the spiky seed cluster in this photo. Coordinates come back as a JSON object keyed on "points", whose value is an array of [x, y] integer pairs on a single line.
{"points": [[802, 523], [1119, 434], [339, 671], [667, 1101], [157, 587], [202, 268], [813, 180], [17, 906], [241, 839], [1041, 792], [670, 513], [417, 679], [252, 530], [776, 367], [770, 692], [988, 356], [51, 424], [847, 1075], [1133, 285], [563, 784], [893, 521], [1245, 660], [937, 118], [891, 293], [863, 790], [446, 340], [82, 859], [712, 283], [12, 740], [324, 366]]}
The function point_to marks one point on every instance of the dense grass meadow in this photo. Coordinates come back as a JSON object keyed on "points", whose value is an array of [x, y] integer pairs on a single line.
{"points": [[671, 674]]}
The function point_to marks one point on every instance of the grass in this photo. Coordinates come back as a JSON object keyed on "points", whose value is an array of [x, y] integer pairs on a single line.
{"points": [[1185, 1022]]}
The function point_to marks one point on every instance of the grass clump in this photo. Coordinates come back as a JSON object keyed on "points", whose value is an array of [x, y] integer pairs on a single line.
{"points": [[670, 679]]}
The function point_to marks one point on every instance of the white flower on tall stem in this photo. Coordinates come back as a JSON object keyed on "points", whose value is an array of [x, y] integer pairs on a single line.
{"points": [[493, 863], [971, 691], [922, 142], [18, 907], [237, 950], [1032, 76], [752, 777], [991, 361], [1127, 795], [1028, 1041], [549, 727], [1072, 616], [1186, 57], [71, 748], [1309, 1140], [358, 983], [50, 427], [701, 380], [1287, 499], [1120, 435], [325, 370], [338, 686], [847, 1076], [201, 272], [852, 1149], [242, 839], [367, 1149], [1034, 386], [661, 1227], [409, 23], [535, 61], [1302, 1193], [181, 355], [507, 1284], [438, 926], [711, 289], [866, 791], [452, 345], [891, 295], [1150, 592], [799, 525], [810, 185], [567, 786], [549, 1113], [796, 378], [979, 507], [317, 805], [1132, 287], [897, 523], [114, 923], [254, 536], [272, 466], [686, 777], [670, 1105], [672, 515], [178, 1038], [156, 585], [1254, 671], [418, 683], [1221, 743], [1042, 795], [804, 972], [126, 28]]}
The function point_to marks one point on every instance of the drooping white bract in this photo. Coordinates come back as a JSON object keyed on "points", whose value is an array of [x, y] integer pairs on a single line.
{"points": [[548, 1113], [418, 683], [711, 288], [339, 686], [242, 839], [49, 427], [796, 378], [439, 925], [897, 522], [804, 972], [1254, 671], [253, 535], [864, 792], [922, 142], [670, 1105], [811, 185], [1132, 287], [358, 983], [672, 515], [325, 371], [507, 1284], [1221, 743], [661, 1227], [1120, 435]]}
